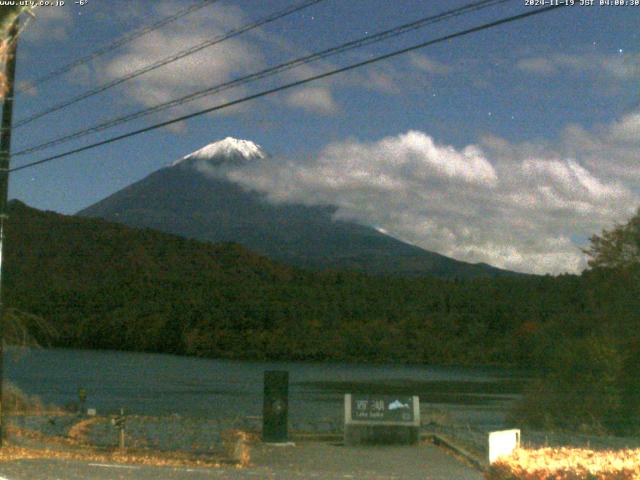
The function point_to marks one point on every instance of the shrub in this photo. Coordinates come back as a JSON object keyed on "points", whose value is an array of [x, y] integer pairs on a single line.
{"points": [[566, 464], [580, 392]]}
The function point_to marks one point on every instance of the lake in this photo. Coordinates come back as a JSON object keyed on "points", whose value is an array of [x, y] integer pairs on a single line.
{"points": [[155, 384]]}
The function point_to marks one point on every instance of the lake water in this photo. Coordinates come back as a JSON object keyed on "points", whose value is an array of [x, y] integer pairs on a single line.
{"points": [[153, 384]]}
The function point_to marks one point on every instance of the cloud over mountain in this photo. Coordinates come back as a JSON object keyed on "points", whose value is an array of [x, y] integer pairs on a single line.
{"points": [[527, 207]]}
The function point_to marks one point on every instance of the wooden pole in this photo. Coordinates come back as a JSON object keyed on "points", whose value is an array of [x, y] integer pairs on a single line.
{"points": [[5, 158]]}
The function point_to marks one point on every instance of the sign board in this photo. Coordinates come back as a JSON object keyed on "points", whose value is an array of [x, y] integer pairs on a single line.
{"points": [[371, 409], [503, 443]]}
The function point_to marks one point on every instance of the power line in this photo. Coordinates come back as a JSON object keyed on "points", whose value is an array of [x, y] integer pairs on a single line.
{"points": [[168, 60], [116, 44], [292, 85], [358, 43]]}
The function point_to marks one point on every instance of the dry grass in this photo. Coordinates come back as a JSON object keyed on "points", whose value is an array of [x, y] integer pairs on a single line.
{"points": [[19, 403], [236, 443], [567, 464], [74, 447], [10, 453], [79, 432]]}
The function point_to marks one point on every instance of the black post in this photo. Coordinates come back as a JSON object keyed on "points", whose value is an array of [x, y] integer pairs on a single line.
{"points": [[5, 157], [82, 400], [275, 411], [121, 431]]}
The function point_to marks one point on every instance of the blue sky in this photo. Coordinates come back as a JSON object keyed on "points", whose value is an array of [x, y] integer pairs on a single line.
{"points": [[509, 146]]}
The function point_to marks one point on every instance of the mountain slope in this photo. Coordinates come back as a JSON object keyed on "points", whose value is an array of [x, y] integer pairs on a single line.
{"points": [[180, 199]]}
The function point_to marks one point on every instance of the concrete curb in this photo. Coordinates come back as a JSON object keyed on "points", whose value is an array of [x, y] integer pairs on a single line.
{"points": [[317, 437], [444, 441], [436, 438]]}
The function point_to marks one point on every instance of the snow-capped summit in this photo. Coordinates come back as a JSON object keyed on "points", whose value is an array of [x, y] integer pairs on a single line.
{"points": [[229, 149], [200, 198]]}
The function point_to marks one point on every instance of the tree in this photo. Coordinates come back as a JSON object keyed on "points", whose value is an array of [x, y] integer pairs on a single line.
{"points": [[579, 392], [618, 247], [25, 329], [8, 15]]}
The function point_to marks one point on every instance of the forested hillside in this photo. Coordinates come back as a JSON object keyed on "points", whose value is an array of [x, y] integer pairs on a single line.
{"points": [[108, 286]]}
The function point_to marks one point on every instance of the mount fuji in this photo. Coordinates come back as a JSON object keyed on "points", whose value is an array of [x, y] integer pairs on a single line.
{"points": [[183, 200]]}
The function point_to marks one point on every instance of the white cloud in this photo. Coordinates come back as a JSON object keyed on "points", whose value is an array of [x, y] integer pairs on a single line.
{"points": [[313, 99], [610, 151], [210, 66], [537, 65], [516, 206], [621, 67], [214, 65], [50, 24], [382, 81], [570, 178], [429, 65], [627, 129]]}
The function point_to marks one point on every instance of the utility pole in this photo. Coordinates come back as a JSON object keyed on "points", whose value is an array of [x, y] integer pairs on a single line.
{"points": [[5, 157]]}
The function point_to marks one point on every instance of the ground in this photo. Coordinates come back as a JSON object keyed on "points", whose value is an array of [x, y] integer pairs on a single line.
{"points": [[304, 461]]}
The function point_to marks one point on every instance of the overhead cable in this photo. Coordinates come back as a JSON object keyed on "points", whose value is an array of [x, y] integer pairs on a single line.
{"points": [[268, 72], [287, 86], [166, 61], [128, 37]]}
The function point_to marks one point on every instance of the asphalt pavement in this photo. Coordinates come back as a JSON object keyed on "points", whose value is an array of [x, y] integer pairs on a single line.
{"points": [[304, 461]]}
